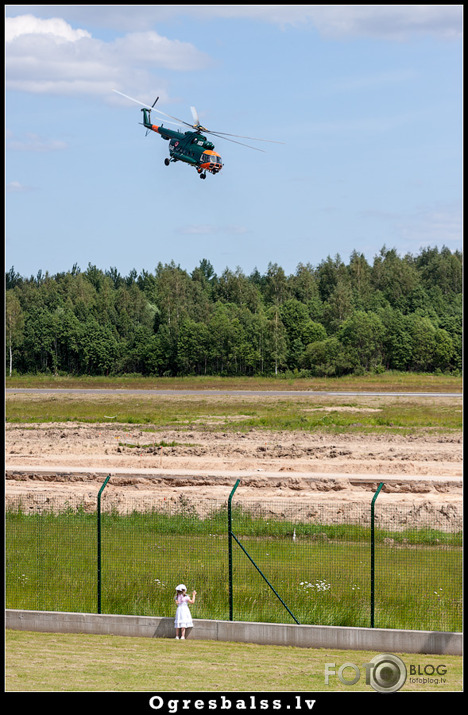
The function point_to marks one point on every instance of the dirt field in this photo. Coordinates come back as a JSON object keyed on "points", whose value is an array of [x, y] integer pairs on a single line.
{"points": [[67, 462]]}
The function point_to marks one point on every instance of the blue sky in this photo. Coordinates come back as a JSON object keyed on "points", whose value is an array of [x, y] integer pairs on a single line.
{"points": [[366, 98]]}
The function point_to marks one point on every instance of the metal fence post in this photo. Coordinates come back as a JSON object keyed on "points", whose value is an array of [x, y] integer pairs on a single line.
{"points": [[99, 544], [373, 553], [230, 548]]}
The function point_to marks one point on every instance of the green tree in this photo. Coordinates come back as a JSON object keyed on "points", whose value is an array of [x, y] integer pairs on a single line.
{"points": [[12, 279], [442, 268], [221, 329], [276, 285], [168, 322], [300, 329], [99, 348], [161, 353], [235, 287], [68, 341], [443, 350], [339, 305], [397, 341], [359, 272], [172, 294], [95, 276], [326, 358], [329, 272], [41, 329], [82, 295], [396, 277], [303, 285], [192, 347], [452, 321], [205, 275], [251, 348], [362, 335], [276, 340], [423, 338], [14, 324]]}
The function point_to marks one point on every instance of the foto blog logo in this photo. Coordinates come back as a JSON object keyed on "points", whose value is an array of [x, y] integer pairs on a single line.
{"points": [[386, 673]]}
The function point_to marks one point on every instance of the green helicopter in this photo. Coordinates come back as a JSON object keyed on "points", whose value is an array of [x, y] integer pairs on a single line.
{"points": [[190, 147]]}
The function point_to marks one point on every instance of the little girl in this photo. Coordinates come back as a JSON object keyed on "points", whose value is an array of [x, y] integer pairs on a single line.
{"points": [[183, 618]]}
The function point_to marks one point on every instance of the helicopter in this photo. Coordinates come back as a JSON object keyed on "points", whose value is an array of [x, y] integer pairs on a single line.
{"points": [[190, 147]]}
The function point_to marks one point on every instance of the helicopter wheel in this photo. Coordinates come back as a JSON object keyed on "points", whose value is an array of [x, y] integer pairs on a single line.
{"points": [[202, 176], [167, 162]]}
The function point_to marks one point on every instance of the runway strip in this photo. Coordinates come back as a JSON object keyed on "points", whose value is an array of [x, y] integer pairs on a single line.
{"points": [[218, 393]]}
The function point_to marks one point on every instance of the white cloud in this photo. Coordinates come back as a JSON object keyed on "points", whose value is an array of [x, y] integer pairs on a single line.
{"points": [[49, 56], [53, 55], [55, 28], [392, 22], [151, 48]]}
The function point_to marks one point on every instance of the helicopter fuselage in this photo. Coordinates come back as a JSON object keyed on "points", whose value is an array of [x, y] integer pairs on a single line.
{"points": [[191, 147]]}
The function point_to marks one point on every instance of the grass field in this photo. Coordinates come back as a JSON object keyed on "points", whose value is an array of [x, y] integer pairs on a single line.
{"points": [[51, 565], [377, 415], [76, 662]]}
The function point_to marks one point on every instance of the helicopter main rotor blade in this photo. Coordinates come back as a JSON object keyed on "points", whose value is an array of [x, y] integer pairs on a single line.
{"points": [[153, 109], [195, 116], [132, 99], [239, 136], [255, 148], [198, 127]]}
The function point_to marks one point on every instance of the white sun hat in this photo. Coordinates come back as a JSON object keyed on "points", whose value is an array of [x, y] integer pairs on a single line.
{"points": [[181, 587]]}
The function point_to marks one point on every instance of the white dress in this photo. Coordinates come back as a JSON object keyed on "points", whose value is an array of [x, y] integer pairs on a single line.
{"points": [[183, 618]]}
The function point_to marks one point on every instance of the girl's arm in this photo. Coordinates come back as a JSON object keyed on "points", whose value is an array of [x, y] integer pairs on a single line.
{"points": [[193, 597]]}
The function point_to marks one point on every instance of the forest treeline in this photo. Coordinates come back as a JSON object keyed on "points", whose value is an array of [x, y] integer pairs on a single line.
{"points": [[395, 313]]}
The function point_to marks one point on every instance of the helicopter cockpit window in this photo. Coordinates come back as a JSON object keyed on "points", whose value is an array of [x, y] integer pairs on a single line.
{"points": [[210, 159]]}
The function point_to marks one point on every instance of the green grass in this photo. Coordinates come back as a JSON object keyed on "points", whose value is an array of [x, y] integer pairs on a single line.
{"points": [[61, 662], [323, 577], [368, 415]]}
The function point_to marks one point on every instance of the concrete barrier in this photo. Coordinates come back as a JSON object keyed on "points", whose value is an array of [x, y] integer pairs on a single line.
{"points": [[332, 637]]}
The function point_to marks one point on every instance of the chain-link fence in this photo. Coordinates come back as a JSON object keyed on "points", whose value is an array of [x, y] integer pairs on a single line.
{"points": [[291, 560]]}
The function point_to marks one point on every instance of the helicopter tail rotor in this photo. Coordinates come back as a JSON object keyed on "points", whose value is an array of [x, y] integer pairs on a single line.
{"points": [[149, 114]]}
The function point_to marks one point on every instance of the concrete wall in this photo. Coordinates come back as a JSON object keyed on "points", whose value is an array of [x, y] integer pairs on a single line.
{"points": [[333, 637]]}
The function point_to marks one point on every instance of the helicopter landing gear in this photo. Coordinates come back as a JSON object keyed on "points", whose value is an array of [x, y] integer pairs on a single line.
{"points": [[167, 162], [202, 176]]}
